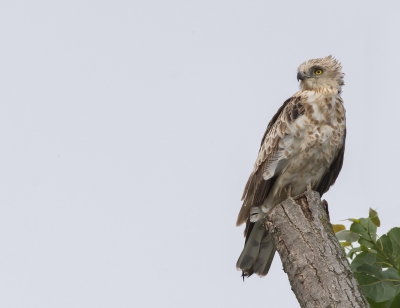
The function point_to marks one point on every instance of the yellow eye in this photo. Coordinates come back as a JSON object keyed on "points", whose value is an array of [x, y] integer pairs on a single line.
{"points": [[318, 72]]}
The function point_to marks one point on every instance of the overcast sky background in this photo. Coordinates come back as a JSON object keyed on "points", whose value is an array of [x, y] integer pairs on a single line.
{"points": [[129, 128]]}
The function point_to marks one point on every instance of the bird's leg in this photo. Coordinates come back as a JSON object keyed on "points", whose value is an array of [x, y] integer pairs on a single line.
{"points": [[259, 212], [289, 192], [309, 187], [256, 214]]}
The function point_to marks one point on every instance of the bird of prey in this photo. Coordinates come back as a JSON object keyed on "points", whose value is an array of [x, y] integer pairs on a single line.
{"points": [[302, 149]]}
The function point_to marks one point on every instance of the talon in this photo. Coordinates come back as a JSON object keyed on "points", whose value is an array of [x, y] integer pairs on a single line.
{"points": [[289, 192]]}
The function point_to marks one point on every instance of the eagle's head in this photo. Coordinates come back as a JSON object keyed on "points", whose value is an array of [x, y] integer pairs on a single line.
{"points": [[321, 73]]}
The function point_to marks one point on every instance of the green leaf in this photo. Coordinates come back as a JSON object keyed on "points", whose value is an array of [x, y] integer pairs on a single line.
{"points": [[392, 274], [375, 304], [369, 226], [360, 230], [373, 215], [352, 251], [337, 228], [381, 287], [353, 219], [363, 258], [366, 243], [348, 236], [385, 244], [395, 303], [364, 248], [394, 236], [376, 285], [371, 270]]}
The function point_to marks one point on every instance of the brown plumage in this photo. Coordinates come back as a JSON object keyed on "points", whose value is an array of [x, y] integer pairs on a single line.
{"points": [[256, 189], [303, 144]]}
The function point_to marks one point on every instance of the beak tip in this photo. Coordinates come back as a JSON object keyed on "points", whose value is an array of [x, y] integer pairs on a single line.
{"points": [[300, 76]]}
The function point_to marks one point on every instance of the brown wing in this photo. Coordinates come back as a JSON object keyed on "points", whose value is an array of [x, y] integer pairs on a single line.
{"points": [[257, 188], [293, 112], [333, 172]]}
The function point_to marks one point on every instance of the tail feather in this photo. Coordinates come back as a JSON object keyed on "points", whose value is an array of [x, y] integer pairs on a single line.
{"points": [[258, 252], [251, 248], [266, 255]]}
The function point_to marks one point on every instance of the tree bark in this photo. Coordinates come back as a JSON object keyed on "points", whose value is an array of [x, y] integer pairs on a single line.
{"points": [[312, 257]]}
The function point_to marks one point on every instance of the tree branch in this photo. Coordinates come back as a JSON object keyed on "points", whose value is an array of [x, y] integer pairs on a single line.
{"points": [[312, 257]]}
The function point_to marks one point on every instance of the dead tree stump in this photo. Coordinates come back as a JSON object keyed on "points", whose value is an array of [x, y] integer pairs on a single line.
{"points": [[312, 257]]}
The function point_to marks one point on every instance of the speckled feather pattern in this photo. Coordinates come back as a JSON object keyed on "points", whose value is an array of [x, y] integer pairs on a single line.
{"points": [[301, 141], [303, 144]]}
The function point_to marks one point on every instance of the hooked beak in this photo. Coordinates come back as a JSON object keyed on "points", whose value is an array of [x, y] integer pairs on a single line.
{"points": [[301, 76]]}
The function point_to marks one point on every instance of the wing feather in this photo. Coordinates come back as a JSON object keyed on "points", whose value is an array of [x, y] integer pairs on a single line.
{"points": [[262, 178], [333, 172]]}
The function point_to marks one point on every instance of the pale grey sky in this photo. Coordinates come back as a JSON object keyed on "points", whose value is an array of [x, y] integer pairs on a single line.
{"points": [[129, 128]]}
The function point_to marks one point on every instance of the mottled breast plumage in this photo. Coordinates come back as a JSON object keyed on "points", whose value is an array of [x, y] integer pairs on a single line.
{"points": [[302, 148]]}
